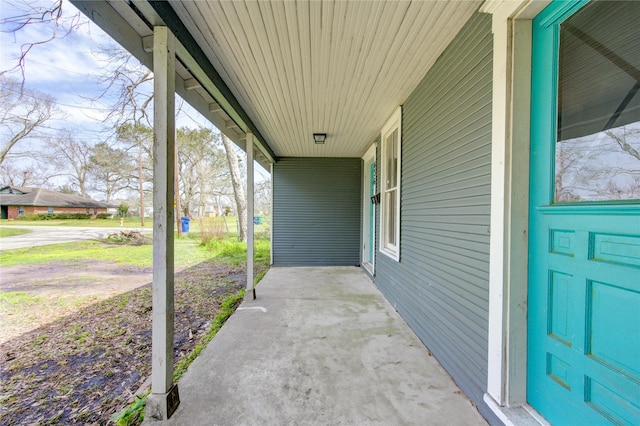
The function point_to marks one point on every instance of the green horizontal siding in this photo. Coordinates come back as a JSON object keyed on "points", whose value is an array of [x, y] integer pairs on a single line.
{"points": [[316, 211]]}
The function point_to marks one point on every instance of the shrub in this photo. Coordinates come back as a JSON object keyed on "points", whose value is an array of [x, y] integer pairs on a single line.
{"points": [[235, 252], [123, 210], [211, 228], [71, 216], [54, 216], [103, 215]]}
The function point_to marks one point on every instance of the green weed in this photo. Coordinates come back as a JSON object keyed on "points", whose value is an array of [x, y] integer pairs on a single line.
{"points": [[39, 340], [124, 301], [19, 298], [134, 413], [235, 252], [74, 332]]}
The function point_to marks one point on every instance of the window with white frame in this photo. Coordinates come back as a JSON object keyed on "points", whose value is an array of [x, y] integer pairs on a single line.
{"points": [[391, 138]]}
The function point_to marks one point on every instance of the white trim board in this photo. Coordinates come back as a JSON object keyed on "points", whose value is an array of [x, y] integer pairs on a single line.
{"points": [[369, 156], [393, 123], [507, 340]]}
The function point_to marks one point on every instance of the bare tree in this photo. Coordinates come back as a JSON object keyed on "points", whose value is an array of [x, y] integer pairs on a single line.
{"points": [[238, 187], [22, 112], [598, 167], [202, 168], [129, 83], [621, 138], [22, 175], [67, 189], [50, 14], [72, 157], [263, 195], [139, 137], [112, 169]]}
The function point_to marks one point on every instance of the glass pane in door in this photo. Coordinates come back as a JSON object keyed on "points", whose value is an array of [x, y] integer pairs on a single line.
{"points": [[598, 133]]}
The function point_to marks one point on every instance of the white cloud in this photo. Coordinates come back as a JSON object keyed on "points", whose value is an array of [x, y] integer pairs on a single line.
{"points": [[66, 69]]}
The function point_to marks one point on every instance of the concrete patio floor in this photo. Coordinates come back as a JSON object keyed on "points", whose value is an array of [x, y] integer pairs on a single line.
{"points": [[320, 345]]}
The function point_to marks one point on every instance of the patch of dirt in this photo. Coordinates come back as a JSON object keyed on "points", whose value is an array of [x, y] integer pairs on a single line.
{"points": [[52, 291], [84, 367]]}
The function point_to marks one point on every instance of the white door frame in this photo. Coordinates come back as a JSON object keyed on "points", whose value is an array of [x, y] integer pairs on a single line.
{"points": [[367, 226], [507, 339]]}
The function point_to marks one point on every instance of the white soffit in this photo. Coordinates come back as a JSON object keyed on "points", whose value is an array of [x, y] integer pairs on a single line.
{"points": [[336, 67]]}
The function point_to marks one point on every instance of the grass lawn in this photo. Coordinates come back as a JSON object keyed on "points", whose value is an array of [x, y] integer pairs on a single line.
{"points": [[10, 232], [92, 360], [218, 225], [187, 253], [187, 250]]}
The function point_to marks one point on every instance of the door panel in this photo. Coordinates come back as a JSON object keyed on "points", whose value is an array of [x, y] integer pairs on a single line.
{"points": [[584, 314], [584, 245]]}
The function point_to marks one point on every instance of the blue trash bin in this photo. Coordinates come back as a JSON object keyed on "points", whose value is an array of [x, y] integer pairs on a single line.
{"points": [[185, 223]]}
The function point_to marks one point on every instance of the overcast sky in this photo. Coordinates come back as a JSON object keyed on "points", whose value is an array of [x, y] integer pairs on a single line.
{"points": [[66, 68], [61, 68]]}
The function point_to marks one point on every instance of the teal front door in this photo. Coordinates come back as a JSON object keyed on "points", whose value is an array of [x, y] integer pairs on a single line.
{"points": [[584, 242]]}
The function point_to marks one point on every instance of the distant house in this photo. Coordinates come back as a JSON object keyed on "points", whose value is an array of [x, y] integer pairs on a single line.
{"points": [[18, 200]]}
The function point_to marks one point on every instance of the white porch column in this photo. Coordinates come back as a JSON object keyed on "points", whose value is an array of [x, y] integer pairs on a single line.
{"points": [[164, 398], [250, 214], [271, 217]]}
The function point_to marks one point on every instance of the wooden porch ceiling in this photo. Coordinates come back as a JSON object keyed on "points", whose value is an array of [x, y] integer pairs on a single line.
{"points": [[301, 67]]}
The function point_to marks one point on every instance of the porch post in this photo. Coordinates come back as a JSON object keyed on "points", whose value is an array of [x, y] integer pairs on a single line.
{"points": [[271, 217], [164, 397], [250, 214]]}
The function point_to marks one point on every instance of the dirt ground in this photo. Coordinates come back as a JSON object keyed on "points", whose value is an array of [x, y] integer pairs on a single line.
{"points": [[81, 350], [53, 291]]}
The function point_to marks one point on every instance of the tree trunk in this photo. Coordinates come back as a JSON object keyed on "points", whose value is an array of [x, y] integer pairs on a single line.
{"points": [[140, 182], [238, 187], [83, 186], [176, 187]]}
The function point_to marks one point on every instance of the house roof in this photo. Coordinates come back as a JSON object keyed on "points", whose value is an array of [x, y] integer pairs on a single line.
{"points": [[284, 70], [40, 197]]}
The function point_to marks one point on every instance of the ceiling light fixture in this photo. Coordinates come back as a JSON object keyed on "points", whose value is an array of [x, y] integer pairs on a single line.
{"points": [[319, 138]]}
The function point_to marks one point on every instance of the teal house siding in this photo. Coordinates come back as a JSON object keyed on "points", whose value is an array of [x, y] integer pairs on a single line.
{"points": [[316, 211], [441, 284]]}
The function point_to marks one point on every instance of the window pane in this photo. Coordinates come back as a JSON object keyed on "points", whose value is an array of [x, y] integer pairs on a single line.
{"points": [[392, 159], [391, 217], [598, 140]]}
